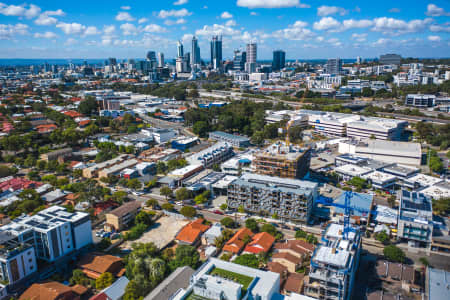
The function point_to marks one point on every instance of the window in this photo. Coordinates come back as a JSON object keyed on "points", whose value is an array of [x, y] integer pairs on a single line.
{"points": [[29, 253], [30, 260]]}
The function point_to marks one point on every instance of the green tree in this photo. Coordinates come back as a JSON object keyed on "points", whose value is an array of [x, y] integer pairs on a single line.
{"points": [[252, 224], [200, 128], [223, 206], [166, 191], [185, 255], [188, 211], [269, 228], [88, 106], [105, 280], [200, 199], [424, 261], [227, 222], [249, 260], [393, 253], [167, 206], [134, 184], [300, 234], [143, 218], [295, 134], [78, 277], [183, 194], [367, 92], [383, 237], [241, 209]]}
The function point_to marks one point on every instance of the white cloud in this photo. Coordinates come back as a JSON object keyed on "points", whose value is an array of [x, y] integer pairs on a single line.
{"points": [[180, 2], [45, 20], [174, 13], [176, 22], [91, 30], [253, 13], [359, 37], [187, 37], [327, 23], [142, 20], [349, 24], [71, 28], [440, 28], [58, 12], [154, 28], [109, 29], [270, 3], [393, 26], [20, 10], [217, 29], [129, 29], [230, 23], [46, 35], [125, 7], [330, 10], [124, 16], [296, 31], [319, 38], [434, 38], [394, 10], [435, 11], [70, 42], [226, 15], [8, 31]]}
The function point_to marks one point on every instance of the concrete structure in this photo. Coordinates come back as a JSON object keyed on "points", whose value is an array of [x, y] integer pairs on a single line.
{"points": [[120, 217], [115, 169], [93, 170], [204, 282], [282, 161], [334, 66], [57, 154], [347, 172], [437, 284], [415, 221], [380, 180], [421, 181], [334, 265], [390, 59], [386, 151], [420, 101], [215, 154], [239, 163], [160, 135], [237, 141], [53, 232], [17, 260], [290, 199], [438, 191]]}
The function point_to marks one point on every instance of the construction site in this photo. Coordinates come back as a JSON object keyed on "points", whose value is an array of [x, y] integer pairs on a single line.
{"points": [[283, 159]]}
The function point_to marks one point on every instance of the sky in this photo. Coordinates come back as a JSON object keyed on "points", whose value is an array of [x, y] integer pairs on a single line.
{"points": [[305, 29]]}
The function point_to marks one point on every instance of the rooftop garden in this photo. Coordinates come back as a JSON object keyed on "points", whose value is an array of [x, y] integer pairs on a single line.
{"points": [[239, 278]]}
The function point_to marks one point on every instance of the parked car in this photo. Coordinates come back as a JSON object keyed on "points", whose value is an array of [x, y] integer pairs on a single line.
{"points": [[180, 203], [218, 212]]}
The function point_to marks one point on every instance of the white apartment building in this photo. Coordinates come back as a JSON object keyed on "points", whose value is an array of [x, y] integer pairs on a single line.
{"points": [[54, 232], [17, 260], [215, 154]]}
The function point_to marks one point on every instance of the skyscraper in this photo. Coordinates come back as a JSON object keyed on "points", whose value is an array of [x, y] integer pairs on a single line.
{"points": [[195, 52], [180, 49], [279, 60], [151, 58], [160, 59], [239, 59], [250, 65], [334, 66], [216, 52]]}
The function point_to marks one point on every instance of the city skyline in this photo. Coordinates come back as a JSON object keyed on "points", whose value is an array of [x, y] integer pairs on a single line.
{"points": [[303, 29]]}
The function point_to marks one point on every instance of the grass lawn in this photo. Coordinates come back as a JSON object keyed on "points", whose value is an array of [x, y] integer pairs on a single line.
{"points": [[239, 278]]}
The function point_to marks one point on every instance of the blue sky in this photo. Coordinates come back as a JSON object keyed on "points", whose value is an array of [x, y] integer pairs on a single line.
{"points": [[305, 29]]}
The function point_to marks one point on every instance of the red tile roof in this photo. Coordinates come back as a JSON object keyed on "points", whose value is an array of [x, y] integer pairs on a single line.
{"points": [[192, 231], [262, 242], [72, 113], [236, 243], [298, 246], [18, 184]]}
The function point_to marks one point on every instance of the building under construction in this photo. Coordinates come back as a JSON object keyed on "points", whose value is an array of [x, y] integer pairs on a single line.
{"points": [[289, 199], [334, 264], [282, 160]]}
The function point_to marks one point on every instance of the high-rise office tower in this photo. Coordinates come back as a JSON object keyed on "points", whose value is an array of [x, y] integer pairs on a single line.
{"points": [[180, 49], [112, 61], [216, 52], [358, 60], [279, 60], [250, 65], [195, 52], [160, 59], [151, 58], [334, 66], [239, 59]]}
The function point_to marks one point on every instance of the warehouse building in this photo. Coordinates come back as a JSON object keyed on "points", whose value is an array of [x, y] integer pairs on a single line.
{"points": [[290, 199], [237, 141]]}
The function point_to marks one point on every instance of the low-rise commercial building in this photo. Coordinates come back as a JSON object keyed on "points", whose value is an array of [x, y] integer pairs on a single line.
{"points": [[380, 180], [115, 169], [215, 154], [232, 139], [347, 172], [120, 217], [290, 199], [420, 101], [93, 170]]}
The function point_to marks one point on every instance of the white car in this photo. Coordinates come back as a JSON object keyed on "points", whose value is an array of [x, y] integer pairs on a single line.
{"points": [[180, 203]]}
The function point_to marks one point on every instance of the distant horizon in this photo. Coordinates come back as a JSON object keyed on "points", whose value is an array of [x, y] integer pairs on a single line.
{"points": [[303, 28]]}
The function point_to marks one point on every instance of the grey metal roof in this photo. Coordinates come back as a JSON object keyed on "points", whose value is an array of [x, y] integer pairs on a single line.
{"points": [[177, 280], [439, 284]]}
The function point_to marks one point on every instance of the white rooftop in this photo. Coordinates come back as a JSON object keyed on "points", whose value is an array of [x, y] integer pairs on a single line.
{"points": [[333, 256], [335, 231], [424, 180], [440, 190], [390, 147], [352, 170], [379, 177]]}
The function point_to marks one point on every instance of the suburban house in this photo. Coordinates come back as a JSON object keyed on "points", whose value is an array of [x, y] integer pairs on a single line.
{"points": [[192, 232], [211, 234], [261, 242], [95, 264], [51, 291], [237, 242]]}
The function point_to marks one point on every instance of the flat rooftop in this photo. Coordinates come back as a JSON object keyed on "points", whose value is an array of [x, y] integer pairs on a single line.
{"points": [[424, 180], [282, 151], [332, 256], [352, 170], [377, 176], [230, 136], [438, 284], [390, 148], [401, 170]]}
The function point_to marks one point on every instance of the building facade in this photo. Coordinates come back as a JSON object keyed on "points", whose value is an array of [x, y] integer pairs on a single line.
{"points": [[279, 60], [290, 199]]}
